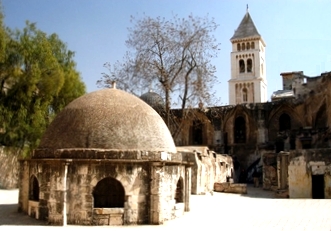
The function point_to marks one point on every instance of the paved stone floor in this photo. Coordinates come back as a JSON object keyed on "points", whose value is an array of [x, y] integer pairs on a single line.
{"points": [[256, 210]]}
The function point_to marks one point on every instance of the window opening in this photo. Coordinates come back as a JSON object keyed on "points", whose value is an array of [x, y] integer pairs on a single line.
{"points": [[197, 133], [244, 95], [284, 122], [240, 130], [249, 65], [242, 66]]}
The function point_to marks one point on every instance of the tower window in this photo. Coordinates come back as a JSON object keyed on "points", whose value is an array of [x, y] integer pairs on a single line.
{"points": [[252, 45], [241, 66], [243, 46], [238, 47], [245, 95], [248, 46], [249, 65]]}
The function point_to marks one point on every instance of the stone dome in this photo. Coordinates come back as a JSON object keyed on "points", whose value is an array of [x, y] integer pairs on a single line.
{"points": [[108, 119], [153, 99]]}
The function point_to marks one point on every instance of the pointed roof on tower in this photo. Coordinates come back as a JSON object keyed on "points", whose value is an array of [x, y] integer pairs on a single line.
{"points": [[246, 29]]}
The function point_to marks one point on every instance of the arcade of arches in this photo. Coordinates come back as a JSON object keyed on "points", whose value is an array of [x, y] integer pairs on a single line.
{"points": [[250, 132]]}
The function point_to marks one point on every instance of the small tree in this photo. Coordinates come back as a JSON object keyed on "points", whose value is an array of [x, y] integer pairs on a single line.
{"points": [[173, 57], [38, 78]]}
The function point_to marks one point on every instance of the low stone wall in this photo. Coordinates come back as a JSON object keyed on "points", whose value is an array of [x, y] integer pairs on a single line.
{"points": [[230, 188], [8, 168]]}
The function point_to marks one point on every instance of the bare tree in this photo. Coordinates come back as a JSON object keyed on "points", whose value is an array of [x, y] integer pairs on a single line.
{"points": [[173, 57]]}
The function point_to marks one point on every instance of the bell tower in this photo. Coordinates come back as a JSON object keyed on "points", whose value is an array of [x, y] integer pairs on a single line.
{"points": [[248, 83]]}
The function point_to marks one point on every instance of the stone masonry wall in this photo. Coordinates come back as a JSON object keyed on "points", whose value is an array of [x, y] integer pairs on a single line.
{"points": [[8, 168]]}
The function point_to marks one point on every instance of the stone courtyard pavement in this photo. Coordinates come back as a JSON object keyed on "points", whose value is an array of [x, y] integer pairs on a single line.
{"points": [[256, 210]]}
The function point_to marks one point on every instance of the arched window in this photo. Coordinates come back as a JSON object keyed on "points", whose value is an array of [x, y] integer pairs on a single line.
{"points": [[243, 46], [249, 65], [179, 194], [284, 122], [248, 46], [34, 189], [238, 47], [252, 45], [109, 193], [245, 95], [240, 130], [241, 66]]}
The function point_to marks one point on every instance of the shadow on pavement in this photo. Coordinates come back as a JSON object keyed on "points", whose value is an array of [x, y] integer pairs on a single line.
{"points": [[10, 216], [258, 192]]}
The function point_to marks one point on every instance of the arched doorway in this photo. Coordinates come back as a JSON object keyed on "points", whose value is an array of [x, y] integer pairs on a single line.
{"points": [[179, 194], [34, 189], [109, 193]]}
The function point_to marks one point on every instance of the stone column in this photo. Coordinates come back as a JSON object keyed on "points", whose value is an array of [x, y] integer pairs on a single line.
{"points": [[187, 188], [282, 167], [65, 194], [23, 185], [156, 194]]}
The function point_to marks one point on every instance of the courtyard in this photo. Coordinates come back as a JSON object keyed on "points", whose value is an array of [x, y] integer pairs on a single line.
{"points": [[256, 210]]}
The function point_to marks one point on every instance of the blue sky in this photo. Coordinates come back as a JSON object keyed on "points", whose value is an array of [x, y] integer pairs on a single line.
{"points": [[296, 32]]}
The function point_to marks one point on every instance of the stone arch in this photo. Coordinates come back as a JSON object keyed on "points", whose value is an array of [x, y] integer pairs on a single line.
{"points": [[179, 193], [109, 193], [238, 47], [34, 188], [240, 130], [252, 45], [321, 117], [228, 124], [273, 122], [243, 46]]}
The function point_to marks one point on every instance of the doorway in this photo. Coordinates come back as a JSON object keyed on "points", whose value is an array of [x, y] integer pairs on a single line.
{"points": [[317, 186]]}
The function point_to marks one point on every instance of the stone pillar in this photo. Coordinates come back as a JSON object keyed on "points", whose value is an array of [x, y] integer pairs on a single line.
{"points": [[187, 188], [23, 185], [283, 162], [65, 194], [156, 194]]}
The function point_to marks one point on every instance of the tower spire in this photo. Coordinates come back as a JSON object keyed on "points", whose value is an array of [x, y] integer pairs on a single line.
{"points": [[247, 8]]}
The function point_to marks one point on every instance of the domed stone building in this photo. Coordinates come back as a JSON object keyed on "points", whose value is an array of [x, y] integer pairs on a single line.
{"points": [[155, 101], [107, 159]]}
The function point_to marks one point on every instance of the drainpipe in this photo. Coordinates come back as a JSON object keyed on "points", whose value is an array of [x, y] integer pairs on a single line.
{"points": [[65, 194]]}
